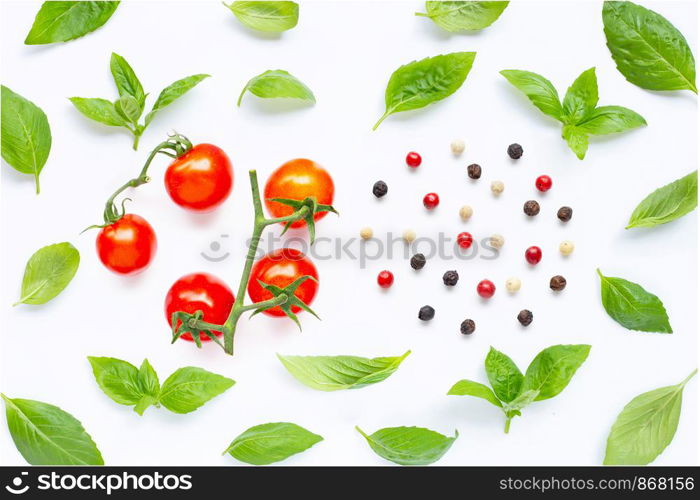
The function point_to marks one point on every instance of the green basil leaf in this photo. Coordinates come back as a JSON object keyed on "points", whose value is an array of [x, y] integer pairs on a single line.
{"points": [[267, 16], [46, 435], [470, 388], [667, 203], [632, 306], [463, 16], [538, 89], [100, 110], [552, 369], [420, 83], [581, 98], [610, 120], [333, 373], [48, 272], [126, 80], [26, 135], [503, 374], [648, 50], [646, 426], [63, 21], [189, 388], [275, 84], [576, 139], [118, 379], [128, 108], [524, 399], [150, 387], [269, 443], [409, 445], [174, 91]]}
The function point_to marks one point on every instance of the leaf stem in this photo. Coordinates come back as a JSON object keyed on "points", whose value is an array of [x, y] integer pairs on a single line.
{"points": [[379, 122], [687, 379], [507, 427]]}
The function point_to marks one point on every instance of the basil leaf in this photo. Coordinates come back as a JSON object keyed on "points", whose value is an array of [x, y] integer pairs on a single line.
{"points": [[538, 89], [667, 203], [267, 16], [646, 426], [576, 139], [648, 50], [100, 110], [126, 80], [420, 83], [26, 135], [174, 91], [470, 388], [46, 435], [632, 306], [610, 120], [269, 443], [552, 369], [333, 373], [503, 374], [513, 408], [118, 379], [48, 272], [128, 108], [409, 445], [275, 84], [464, 16], [189, 388], [63, 21], [150, 388], [581, 98]]}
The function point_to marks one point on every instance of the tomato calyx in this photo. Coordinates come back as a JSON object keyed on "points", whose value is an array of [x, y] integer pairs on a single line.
{"points": [[285, 299], [303, 210], [193, 324]]}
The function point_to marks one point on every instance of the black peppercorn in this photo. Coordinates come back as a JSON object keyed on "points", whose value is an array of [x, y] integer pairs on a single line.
{"points": [[557, 283], [531, 208], [450, 278], [467, 327], [418, 261], [426, 313], [380, 189], [525, 317], [515, 151], [565, 213], [474, 171]]}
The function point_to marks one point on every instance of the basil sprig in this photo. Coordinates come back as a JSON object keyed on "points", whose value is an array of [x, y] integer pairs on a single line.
{"points": [[48, 272], [409, 445], [273, 17], [667, 203], [579, 112], [277, 83], [464, 15], [63, 21], [269, 443], [126, 111], [548, 374]]}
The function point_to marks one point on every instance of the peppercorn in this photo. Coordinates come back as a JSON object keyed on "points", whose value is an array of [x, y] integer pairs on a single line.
{"points": [[525, 317], [533, 255], [366, 233], [497, 187], [566, 247], [474, 171], [426, 313], [457, 147], [465, 212], [413, 159], [557, 283], [531, 208], [486, 289], [467, 327], [380, 189], [385, 279], [418, 261], [565, 213], [450, 278], [515, 151], [513, 285], [465, 240], [543, 183], [497, 241], [409, 235], [431, 200]]}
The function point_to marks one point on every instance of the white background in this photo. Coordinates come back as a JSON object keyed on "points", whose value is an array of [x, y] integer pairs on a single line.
{"points": [[346, 53]]}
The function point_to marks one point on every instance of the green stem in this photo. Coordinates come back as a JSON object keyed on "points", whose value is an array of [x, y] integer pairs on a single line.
{"points": [[507, 428], [687, 379], [136, 141], [36, 182], [384, 116]]}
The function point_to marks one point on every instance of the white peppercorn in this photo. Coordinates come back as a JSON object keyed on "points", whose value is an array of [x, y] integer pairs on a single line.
{"points": [[466, 212], [497, 187], [566, 247], [513, 284]]}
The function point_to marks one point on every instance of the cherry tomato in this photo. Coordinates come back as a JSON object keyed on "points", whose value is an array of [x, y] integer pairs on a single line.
{"points": [[486, 289], [413, 159], [128, 245], [543, 183], [431, 200], [464, 240], [280, 268], [199, 292], [296, 180], [385, 279], [201, 179], [533, 255]]}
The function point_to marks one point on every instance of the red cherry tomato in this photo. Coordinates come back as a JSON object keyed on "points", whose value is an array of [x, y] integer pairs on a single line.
{"points": [[533, 255], [280, 268], [201, 179], [385, 279], [296, 180], [413, 159], [486, 289], [431, 200], [464, 240], [543, 183], [128, 245], [199, 292]]}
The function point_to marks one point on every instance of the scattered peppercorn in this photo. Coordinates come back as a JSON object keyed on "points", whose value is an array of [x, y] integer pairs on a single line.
{"points": [[464, 240], [418, 261], [515, 151], [380, 189], [426, 313], [497, 241], [543, 183], [366, 233], [450, 278], [557, 283], [413, 159], [385, 279], [533, 255], [531, 208], [457, 147], [474, 171], [431, 200], [497, 187], [466, 212], [513, 285], [565, 213], [525, 317], [467, 327], [566, 247], [486, 289], [409, 235]]}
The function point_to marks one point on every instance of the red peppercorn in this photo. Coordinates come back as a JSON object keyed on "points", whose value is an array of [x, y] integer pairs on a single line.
{"points": [[543, 183], [413, 159], [533, 255], [431, 200], [486, 289], [385, 279], [464, 240]]}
